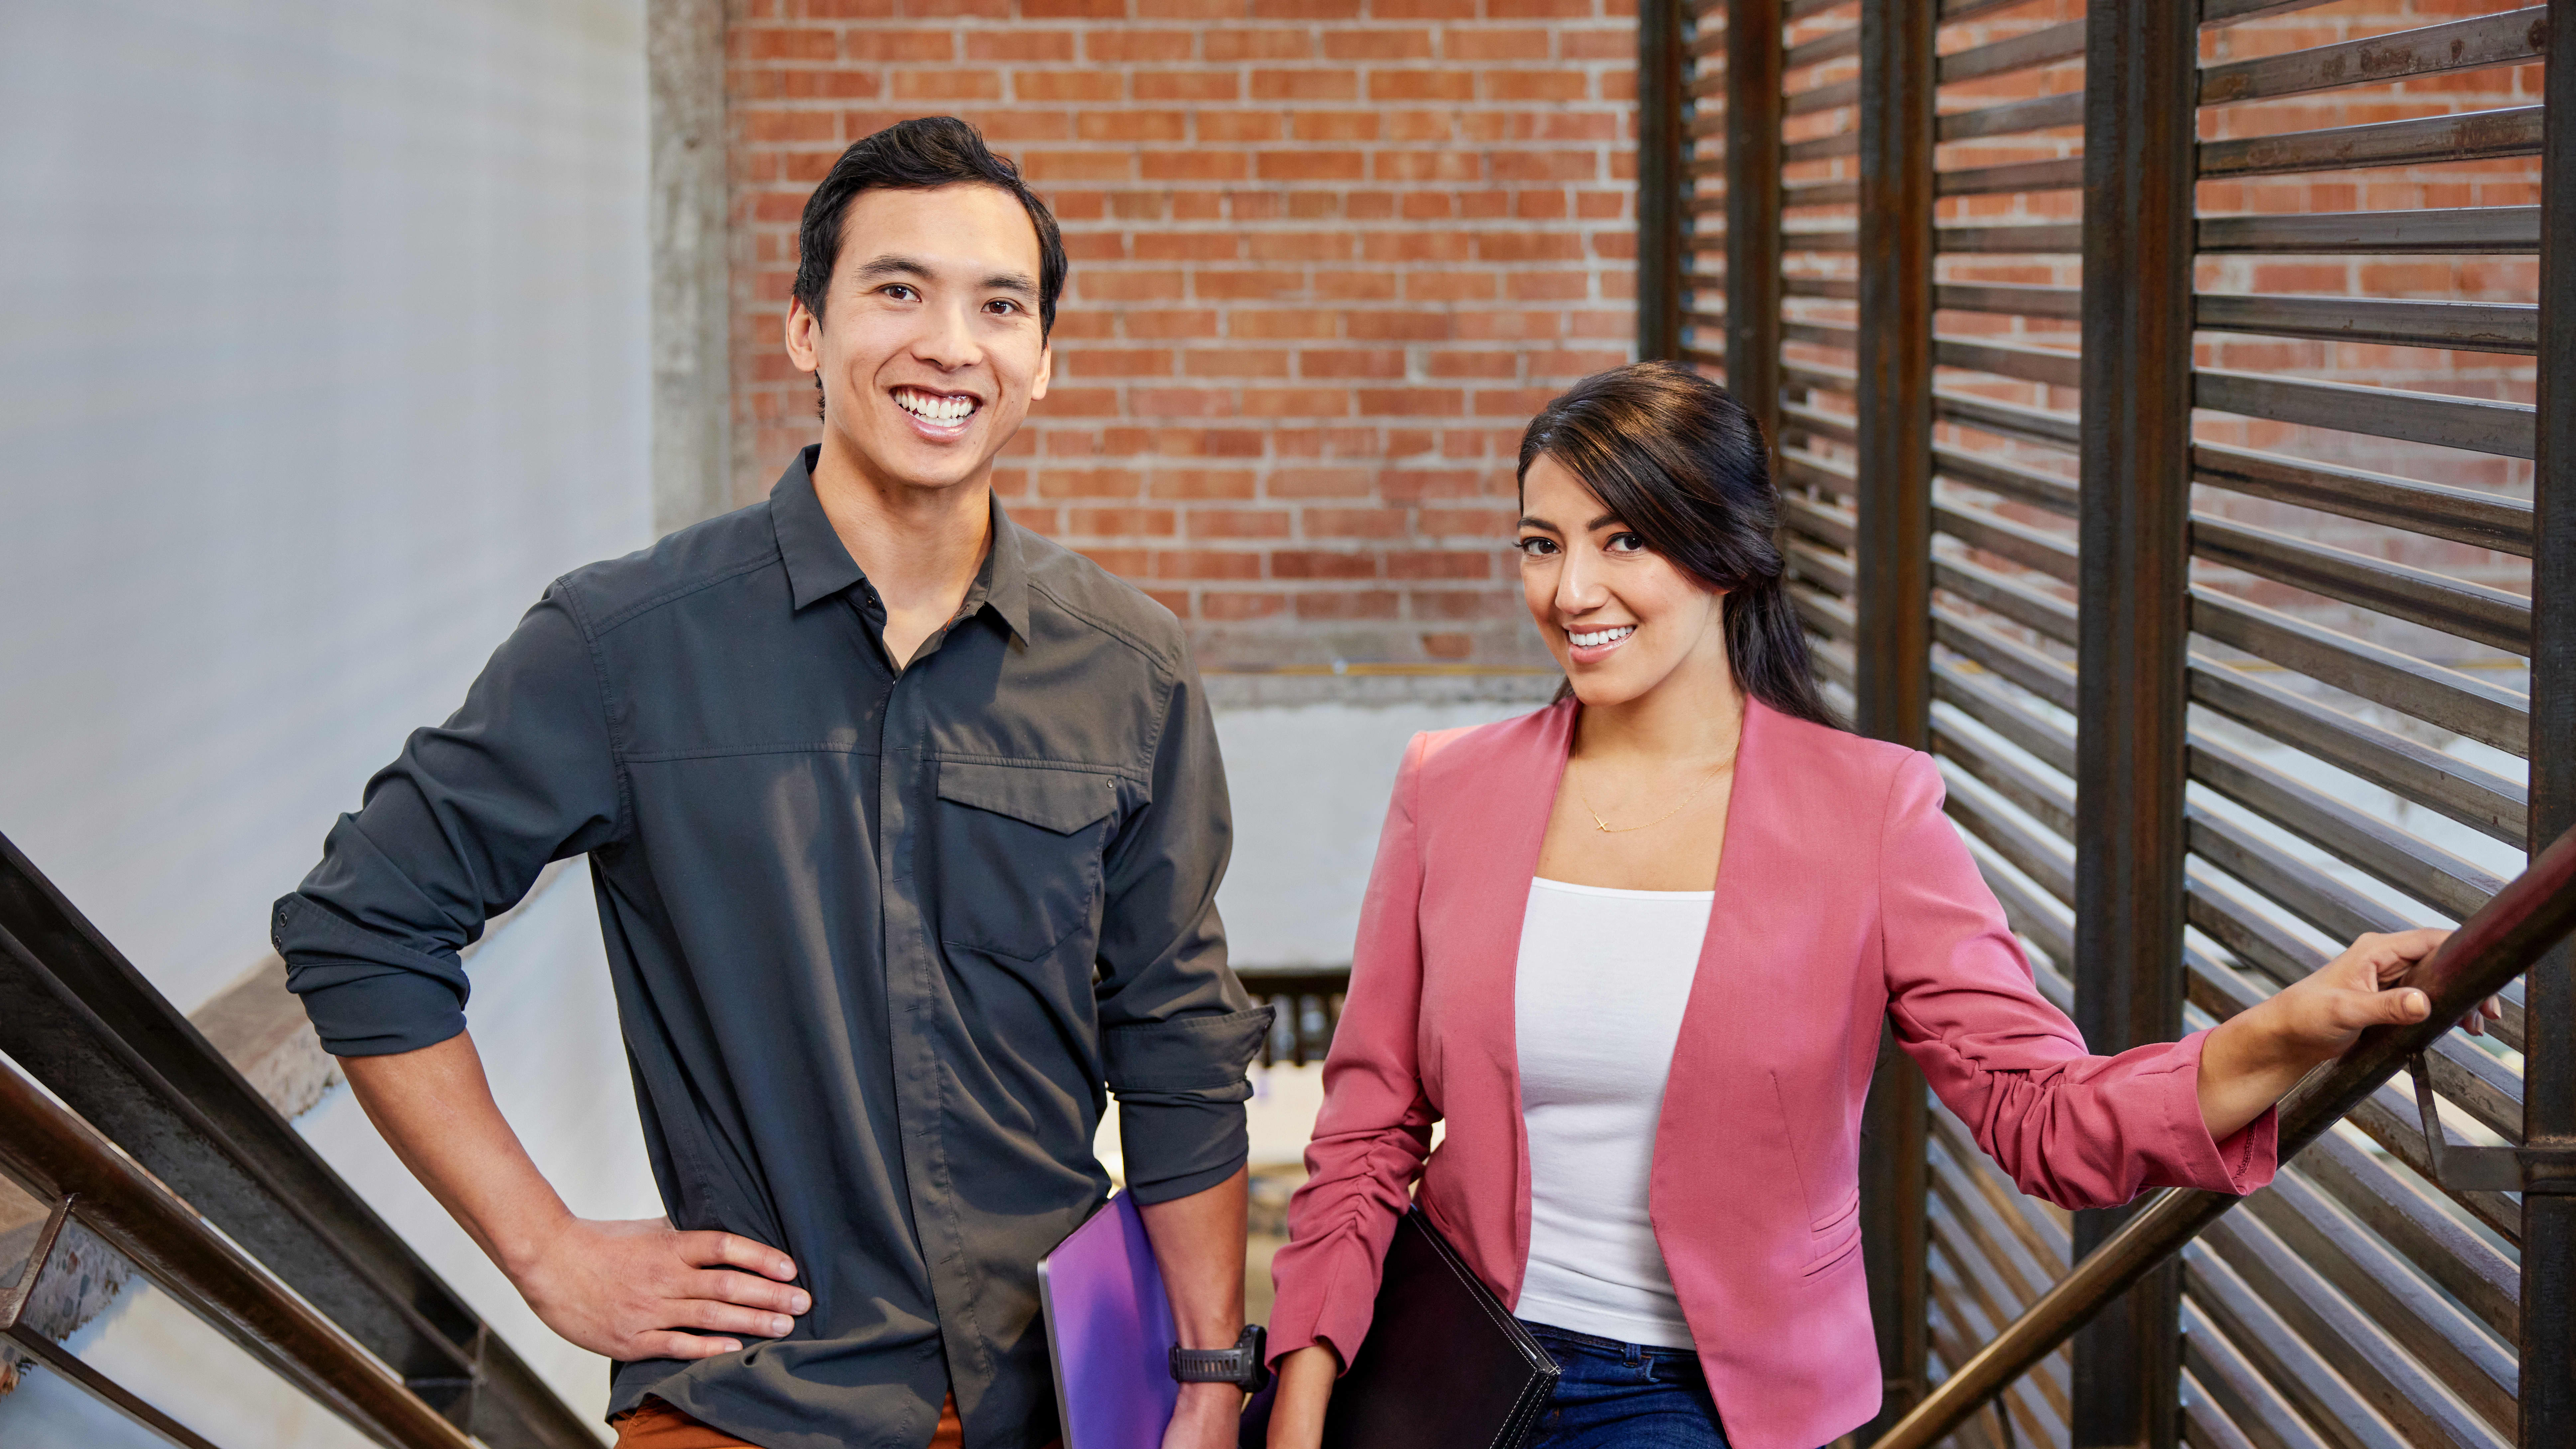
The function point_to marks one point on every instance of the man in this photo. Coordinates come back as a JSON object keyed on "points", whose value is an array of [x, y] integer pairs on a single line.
{"points": [[906, 827]]}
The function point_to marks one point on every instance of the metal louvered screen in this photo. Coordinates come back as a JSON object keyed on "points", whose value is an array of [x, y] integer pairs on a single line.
{"points": [[2162, 410]]}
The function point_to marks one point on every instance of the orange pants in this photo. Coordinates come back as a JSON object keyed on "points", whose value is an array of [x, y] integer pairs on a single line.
{"points": [[656, 1425]]}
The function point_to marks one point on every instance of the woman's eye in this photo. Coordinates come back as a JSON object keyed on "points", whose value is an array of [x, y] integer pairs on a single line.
{"points": [[1535, 547], [1625, 543]]}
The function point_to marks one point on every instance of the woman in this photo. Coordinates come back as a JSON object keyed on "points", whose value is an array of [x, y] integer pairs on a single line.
{"points": [[1635, 948]]}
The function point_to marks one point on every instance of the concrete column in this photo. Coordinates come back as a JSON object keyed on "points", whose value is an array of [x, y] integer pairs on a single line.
{"points": [[692, 281]]}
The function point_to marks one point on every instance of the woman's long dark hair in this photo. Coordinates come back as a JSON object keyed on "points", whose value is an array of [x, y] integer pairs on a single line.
{"points": [[1685, 467]]}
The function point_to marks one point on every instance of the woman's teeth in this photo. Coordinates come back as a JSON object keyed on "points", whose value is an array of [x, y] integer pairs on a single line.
{"points": [[932, 406], [1600, 636]]}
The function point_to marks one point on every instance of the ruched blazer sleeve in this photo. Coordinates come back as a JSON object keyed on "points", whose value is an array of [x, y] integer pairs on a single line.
{"points": [[1844, 898]]}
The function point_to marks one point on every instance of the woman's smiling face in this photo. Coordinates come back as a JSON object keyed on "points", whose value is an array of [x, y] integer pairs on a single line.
{"points": [[1618, 617]]}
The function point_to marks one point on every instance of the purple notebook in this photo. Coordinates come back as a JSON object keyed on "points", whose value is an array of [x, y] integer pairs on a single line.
{"points": [[1109, 1330]]}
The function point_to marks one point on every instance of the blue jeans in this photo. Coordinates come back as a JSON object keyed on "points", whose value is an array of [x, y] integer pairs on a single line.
{"points": [[1624, 1396]]}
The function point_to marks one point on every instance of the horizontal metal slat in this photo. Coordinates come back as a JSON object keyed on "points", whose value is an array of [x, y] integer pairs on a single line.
{"points": [[2228, 12], [2052, 366], [2066, 174], [1821, 148], [2477, 424], [2043, 800], [2026, 239], [1826, 615], [2470, 611], [2042, 113], [2453, 700], [2030, 547], [1834, 239], [1796, 375], [2466, 230], [2044, 858], [1838, 289], [1830, 571], [2323, 902], [2389, 1117], [2482, 519], [2050, 618], [2467, 326], [2045, 740], [2023, 485], [1822, 98], [2248, 1402], [1799, 419], [1834, 527], [2021, 52], [1821, 334], [2282, 1358], [2359, 1349], [2477, 798], [2009, 659], [1827, 474], [2011, 299], [1819, 193], [1802, 9], [2473, 136], [1823, 48], [2036, 425], [2510, 38], [2416, 866], [2483, 1280]]}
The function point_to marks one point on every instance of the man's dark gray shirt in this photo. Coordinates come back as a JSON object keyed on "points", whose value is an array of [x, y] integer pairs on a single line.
{"points": [[878, 936]]}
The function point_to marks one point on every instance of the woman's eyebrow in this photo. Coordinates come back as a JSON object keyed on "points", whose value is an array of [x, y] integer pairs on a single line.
{"points": [[1529, 522], [1604, 521]]}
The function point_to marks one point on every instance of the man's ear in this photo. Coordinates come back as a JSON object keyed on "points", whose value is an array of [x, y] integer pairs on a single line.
{"points": [[1046, 371], [804, 339]]}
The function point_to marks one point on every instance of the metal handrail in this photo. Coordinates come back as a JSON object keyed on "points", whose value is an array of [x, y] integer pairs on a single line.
{"points": [[132, 1212], [2497, 944], [87, 1026]]}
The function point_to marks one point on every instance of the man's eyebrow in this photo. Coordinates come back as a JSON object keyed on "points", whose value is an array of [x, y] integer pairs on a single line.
{"points": [[893, 266], [1020, 282]]}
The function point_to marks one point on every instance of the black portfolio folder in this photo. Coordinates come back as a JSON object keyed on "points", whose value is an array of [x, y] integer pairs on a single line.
{"points": [[1445, 1365]]}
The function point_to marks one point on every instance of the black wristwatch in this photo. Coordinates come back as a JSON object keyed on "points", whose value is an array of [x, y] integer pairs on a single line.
{"points": [[1243, 1365]]}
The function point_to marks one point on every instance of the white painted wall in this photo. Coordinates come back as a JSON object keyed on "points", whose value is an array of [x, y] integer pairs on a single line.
{"points": [[1310, 784], [322, 348]]}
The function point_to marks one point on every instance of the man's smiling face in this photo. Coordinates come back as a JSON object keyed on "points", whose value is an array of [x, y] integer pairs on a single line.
{"points": [[929, 347]]}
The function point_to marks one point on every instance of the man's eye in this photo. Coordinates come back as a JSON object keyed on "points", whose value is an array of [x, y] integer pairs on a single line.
{"points": [[1626, 543], [899, 292], [1002, 306], [1536, 547]]}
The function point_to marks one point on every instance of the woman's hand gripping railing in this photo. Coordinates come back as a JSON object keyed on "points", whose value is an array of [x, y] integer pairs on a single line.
{"points": [[2530, 915]]}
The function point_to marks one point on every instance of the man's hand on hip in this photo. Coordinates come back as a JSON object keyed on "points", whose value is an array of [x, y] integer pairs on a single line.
{"points": [[626, 1290]]}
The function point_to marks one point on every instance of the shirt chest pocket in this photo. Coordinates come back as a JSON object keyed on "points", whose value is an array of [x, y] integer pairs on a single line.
{"points": [[1019, 851]]}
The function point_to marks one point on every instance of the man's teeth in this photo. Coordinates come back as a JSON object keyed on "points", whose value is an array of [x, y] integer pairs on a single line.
{"points": [[936, 409], [1601, 636]]}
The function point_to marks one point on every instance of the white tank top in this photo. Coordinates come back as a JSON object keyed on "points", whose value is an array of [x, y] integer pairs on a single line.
{"points": [[1603, 977]]}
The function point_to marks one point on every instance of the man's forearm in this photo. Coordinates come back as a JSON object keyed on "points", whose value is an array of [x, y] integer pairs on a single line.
{"points": [[1198, 1243], [434, 1107]]}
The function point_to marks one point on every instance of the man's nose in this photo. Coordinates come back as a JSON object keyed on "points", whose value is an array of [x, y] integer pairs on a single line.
{"points": [[947, 339]]}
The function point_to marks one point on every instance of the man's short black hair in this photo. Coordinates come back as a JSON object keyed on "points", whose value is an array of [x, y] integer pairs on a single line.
{"points": [[917, 155]]}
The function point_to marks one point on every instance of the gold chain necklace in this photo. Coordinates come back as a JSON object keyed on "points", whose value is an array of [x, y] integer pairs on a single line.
{"points": [[1606, 828]]}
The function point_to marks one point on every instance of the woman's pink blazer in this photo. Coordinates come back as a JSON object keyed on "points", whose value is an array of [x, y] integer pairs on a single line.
{"points": [[1844, 897]]}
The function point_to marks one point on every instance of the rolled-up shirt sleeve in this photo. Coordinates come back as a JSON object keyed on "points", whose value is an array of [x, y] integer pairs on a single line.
{"points": [[1178, 1031], [452, 833]]}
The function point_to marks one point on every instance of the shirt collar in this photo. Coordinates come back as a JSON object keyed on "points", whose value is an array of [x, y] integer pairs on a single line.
{"points": [[819, 564]]}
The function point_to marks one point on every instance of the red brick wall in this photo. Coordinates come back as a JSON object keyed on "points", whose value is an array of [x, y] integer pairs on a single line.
{"points": [[1328, 257]]}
